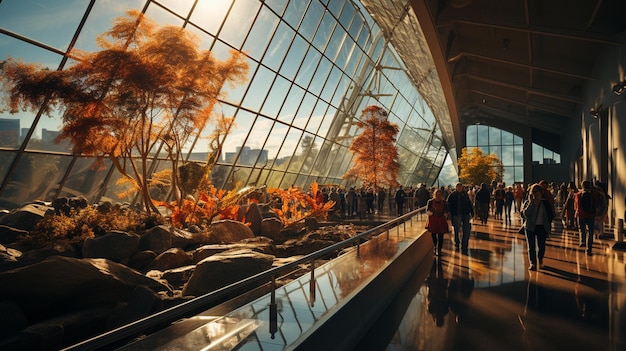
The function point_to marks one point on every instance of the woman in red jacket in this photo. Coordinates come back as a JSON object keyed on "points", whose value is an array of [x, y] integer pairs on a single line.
{"points": [[437, 223]]}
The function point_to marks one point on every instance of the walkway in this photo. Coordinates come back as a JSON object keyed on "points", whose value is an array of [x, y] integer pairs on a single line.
{"points": [[489, 300]]}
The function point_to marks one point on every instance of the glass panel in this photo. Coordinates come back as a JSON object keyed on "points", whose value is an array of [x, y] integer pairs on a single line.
{"points": [[259, 87], [291, 104], [276, 97], [494, 136], [277, 5], [346, 15], [507, 156], [239, 21], [317, 117], [261, 33], [305, 110], [274, 179], [335, 42], [288, 149], [234, 95], [279, 46], [294, 12], [163, 17], [507, 138], [320, 76], [331, 84], [209, 15], [294, 58], [537, 154], [307, 68], [51, 22], [47, 141], [35, 177], [274, 142], [237, 136], [311, 20], [324, 31], [471, 138], [483, 135], [180, 7], [86, 178]]}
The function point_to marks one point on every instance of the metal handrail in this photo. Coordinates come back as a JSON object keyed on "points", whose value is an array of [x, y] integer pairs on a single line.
{"points": [[202, 302]]}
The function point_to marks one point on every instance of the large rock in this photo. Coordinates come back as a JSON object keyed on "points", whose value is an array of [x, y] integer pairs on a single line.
{"points": [[172, 258], [114, 245], [254, 218], [61, 284], [228, 231], [157, 239], [258, 244], [26, 217], [9, 234], [225, 268]]}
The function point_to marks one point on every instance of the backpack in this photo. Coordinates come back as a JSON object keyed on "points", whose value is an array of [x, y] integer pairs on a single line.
{"points": [[585, 203]]}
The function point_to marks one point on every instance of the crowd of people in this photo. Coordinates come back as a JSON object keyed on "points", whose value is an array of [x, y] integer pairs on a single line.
{"points": [[582, 209]]}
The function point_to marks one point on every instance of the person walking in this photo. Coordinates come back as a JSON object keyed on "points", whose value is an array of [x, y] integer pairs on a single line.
{"points": [[483, 198], [585, 204], [437, 221], [423, 195], [400, 197], [461, 211], [568, 214], [537, 214], [519, 197], [509, 197]]}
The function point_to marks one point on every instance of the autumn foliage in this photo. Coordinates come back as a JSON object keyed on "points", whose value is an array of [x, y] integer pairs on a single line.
{"points": [[149, 91], [296, 205], [476, 167], [375, 153]]}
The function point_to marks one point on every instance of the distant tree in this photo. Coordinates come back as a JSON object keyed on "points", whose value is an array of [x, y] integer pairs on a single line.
{"points": [[375, 153], [148, 87], [476, 167]]}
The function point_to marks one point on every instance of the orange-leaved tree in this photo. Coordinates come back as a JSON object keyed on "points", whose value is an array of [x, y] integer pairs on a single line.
{"points": [[296, 205], [149, 87], [476, 167], [375, 151]]}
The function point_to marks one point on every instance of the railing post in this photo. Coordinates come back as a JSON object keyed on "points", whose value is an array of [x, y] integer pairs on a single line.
{"points": [[358, 248], [312, 283], [273, 309]]}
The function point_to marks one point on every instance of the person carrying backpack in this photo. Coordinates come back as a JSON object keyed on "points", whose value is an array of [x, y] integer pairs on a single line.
{"points": [[585, 207]]}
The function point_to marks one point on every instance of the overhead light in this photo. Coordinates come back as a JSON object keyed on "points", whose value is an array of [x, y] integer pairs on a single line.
{"points": [[618, 88], [595, 111]]}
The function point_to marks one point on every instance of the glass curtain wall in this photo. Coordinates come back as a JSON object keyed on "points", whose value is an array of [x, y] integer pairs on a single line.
{"points": [[314, 65], [507, 146]]}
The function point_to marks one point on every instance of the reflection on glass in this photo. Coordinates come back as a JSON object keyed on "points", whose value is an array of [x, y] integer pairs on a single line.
{"points": [[294, 58], [276, 97], [239, 21], [209, 15], [261, 33], [259, 88], [36, 176]]}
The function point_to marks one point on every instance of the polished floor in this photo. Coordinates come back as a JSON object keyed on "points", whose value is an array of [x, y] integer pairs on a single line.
{"points": [[489, 300]]}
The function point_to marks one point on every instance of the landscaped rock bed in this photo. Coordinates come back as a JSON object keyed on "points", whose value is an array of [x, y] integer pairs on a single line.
{"points": [[55, 295]]}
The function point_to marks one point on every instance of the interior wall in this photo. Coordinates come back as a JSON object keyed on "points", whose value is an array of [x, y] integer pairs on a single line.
{"points": [[604, 157]]}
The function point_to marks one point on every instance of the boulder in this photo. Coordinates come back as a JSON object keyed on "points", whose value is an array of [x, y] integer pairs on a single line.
{"points": [[254, 218], [178, 277], [228, 231], [9, 258], [142, 302], [9, 234], [157, 239], [225, 268], [141, 259], [61, 284], [26, 217], [258, 244], [271, 227], [172, 258], [115, 246]]}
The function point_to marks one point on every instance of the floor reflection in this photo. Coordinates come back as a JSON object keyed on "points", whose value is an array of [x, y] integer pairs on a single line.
{"points": [[489, 300]]}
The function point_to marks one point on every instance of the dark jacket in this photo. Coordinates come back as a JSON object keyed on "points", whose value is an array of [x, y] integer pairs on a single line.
{"points": [[459, 204]]}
